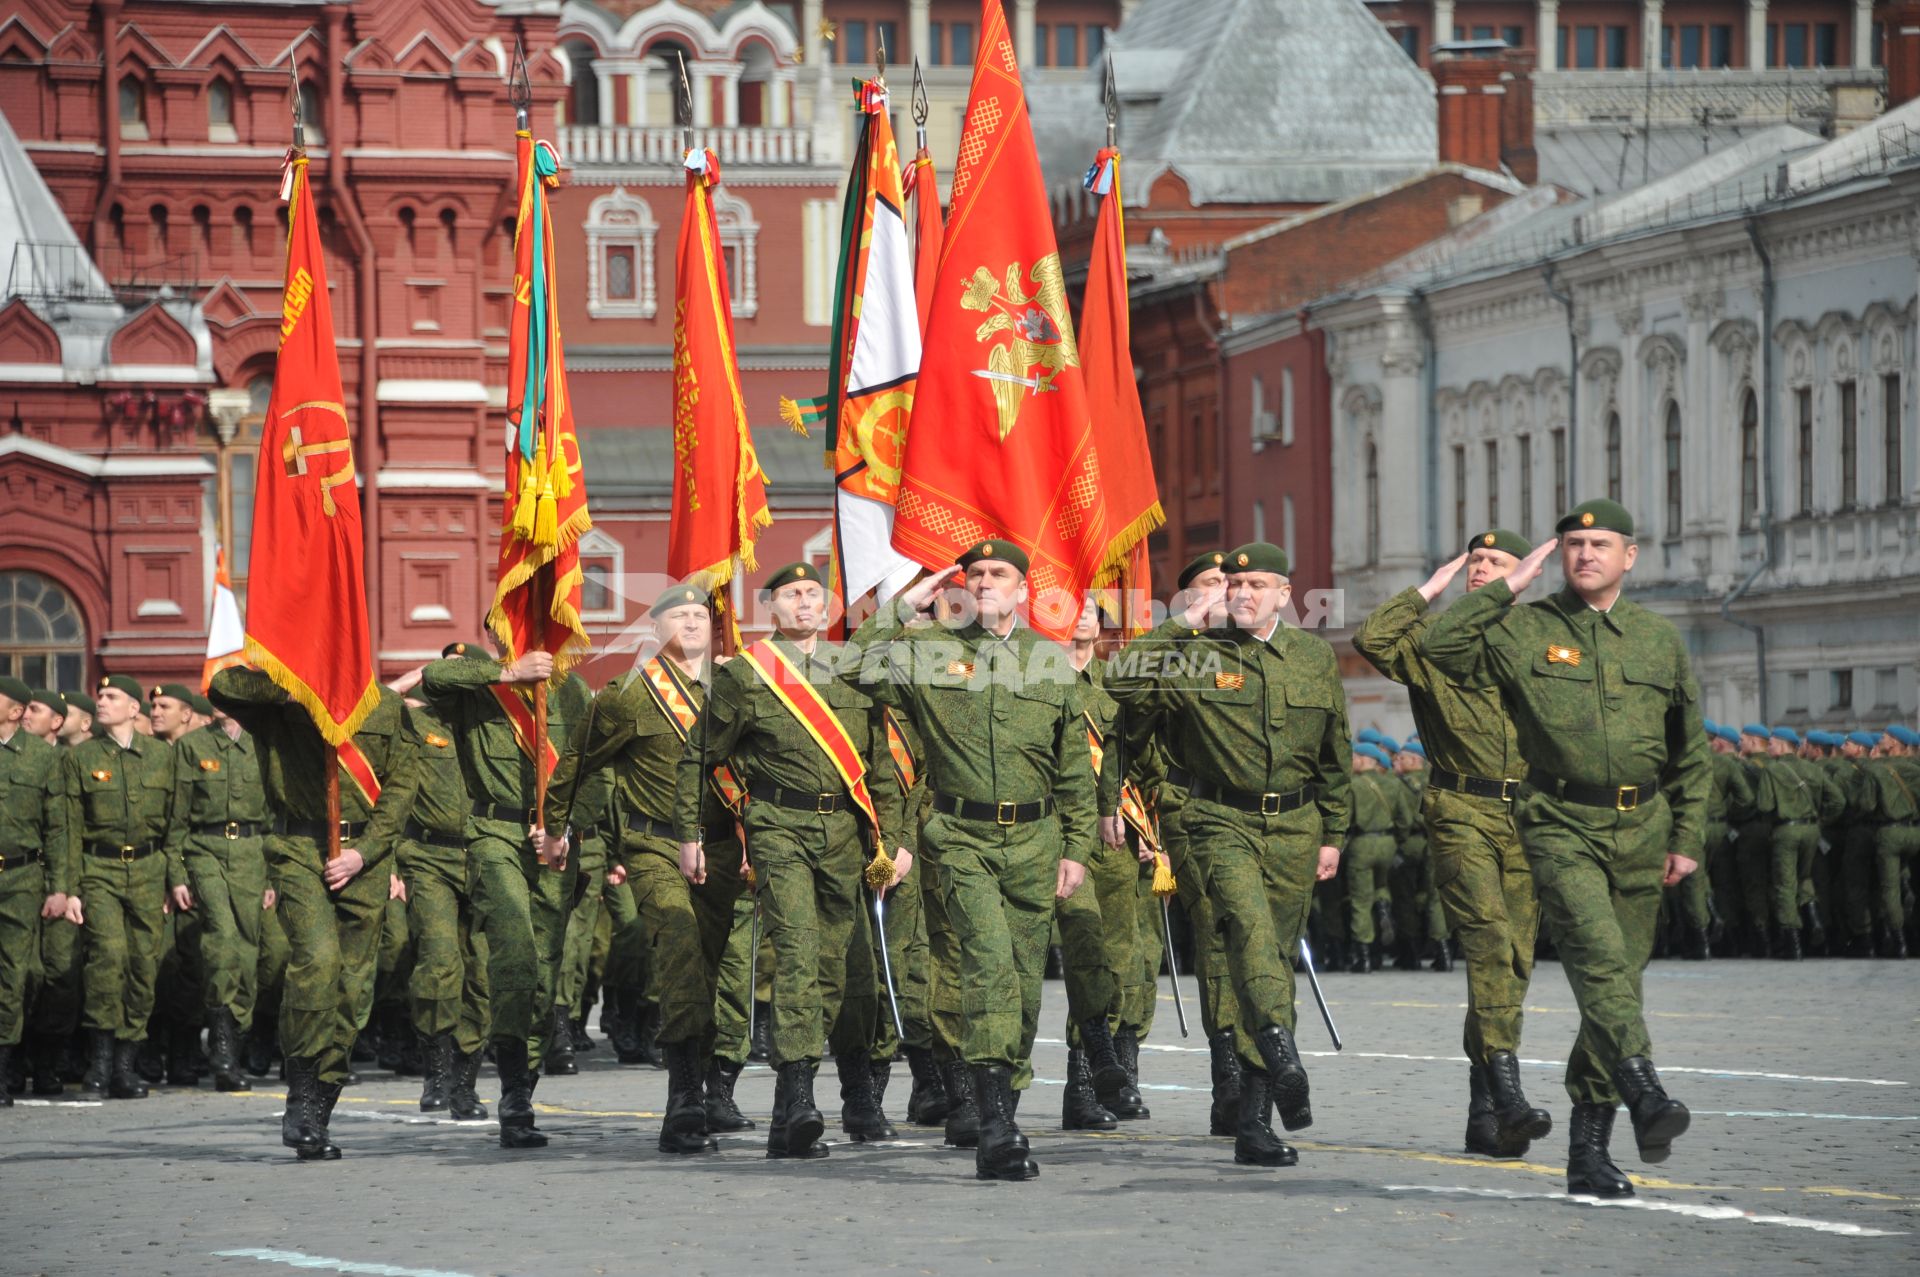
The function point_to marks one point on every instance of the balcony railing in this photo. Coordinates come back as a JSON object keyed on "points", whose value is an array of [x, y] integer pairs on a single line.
{"points": [[660, 144], [1775, 96]]}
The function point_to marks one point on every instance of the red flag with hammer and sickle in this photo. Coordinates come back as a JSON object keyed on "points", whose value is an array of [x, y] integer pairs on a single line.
{"points": [[306, 588]]}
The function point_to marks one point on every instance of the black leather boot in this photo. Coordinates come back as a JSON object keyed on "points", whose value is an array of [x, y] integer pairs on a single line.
{"points": [[797, 1125], [260, 1048], [463, 1096], [43, 1056], [1358, 962], [582, 1040], [1518, 1121], [1442, 955], [1697, 948], [1109, 1072], [882, 1071], [125, 1084], [1590, 1170], [437, 1086], [1227, 1074], [151, 1061], [963, 1111], [927, 1103], [1483, 1133], [1080, 1110], [1254, 1143], [1815, 933], [320, 1101], [760, 1041], [183, 1055], [560, 1061], [621, 1023], [723, 1115], [6, 1071], [1786, 944], [1657, 1120], [685, 1128], [1126, 1102], [303, 1080], [223, 1039], [861, 1116], [93, 1083], [517, 1081], [1002, 1151], [1287, 1077], [1383, 923]]}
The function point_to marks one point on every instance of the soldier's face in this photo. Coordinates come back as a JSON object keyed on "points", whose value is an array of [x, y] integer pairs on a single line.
{"points": [[1207, 592], [1363, 763], [1595, 560], [1778, 748], [170, 716], [687, 628], [1851, 749], [1407, 761], [41, 719], [1752, 744], [998, 589], [1254, 599], [1087, 628], [799, 607], [1719, 745], [142, 724], [11, 711], [78, 725], [1488, 564], [114, 708]]}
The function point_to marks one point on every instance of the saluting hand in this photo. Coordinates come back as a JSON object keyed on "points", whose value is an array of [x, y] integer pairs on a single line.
{"points": [[1443, 577], [1521, 577], [919, 596]]}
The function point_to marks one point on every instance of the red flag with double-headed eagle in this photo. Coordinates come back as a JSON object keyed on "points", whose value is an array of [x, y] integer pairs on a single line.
{"points": [[306, 583], [536, 600], [1003, 442], [719, 490]]}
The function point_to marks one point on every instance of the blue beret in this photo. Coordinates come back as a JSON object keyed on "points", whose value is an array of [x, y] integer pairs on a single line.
{"points": [[1726, 733], [1367, 734], [1755, 729], [1786, 734], [1413, 747], [1867, 739], [1388, 743], [1710, 727], [1374, 752], [1905, 735]]}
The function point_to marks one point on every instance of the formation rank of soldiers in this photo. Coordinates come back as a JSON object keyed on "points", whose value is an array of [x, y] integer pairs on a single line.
{"points": [[794, 838]]}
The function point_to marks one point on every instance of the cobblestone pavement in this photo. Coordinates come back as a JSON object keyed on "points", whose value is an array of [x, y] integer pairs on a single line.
{"points": [[1805, 1149]]}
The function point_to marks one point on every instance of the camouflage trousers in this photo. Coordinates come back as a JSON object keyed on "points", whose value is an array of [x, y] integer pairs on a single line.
{"points": [[733, 998], [1417, 912], [907, 950], [686, 929], [23, 890], [123, 903], [1791, 853], [809, 866], [333, 942], [521, 906], [1367, 864], [1485, 886], [583, 922], [228, 878], [1219, 1005], [448, 985]]}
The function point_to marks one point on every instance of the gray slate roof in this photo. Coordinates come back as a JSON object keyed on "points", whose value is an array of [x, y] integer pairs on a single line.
{"points": [[1597, 160]]}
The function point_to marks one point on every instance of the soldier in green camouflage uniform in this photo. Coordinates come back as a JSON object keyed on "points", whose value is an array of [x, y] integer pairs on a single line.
{"points": [[120, 803], [1382, 814], [448, 987], [1729, 795], [1608, 718], [55, 1012], [523, 889], [592, 809], [1257, 714], [1790, 793], [332, 910], [36, 874], [172, 1049], [1893, 809], [1480, 871], [633, 743], [217, 838], [1419, 918], [806, 837]]}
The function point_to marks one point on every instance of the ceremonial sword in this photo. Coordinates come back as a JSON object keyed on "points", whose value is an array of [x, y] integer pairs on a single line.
{"points": [[886, 962], [1306, 956]]}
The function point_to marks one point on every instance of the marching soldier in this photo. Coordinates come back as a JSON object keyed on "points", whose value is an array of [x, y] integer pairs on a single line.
{"points": [[1382, 814], [800, 734], [36, 874], [1263, 733], [1791, 793], [634, 740], [1753, 854], [522, 886], [1421, 918], [215, 847], [56, 1006], [332, 910], [591, 807], [1607, 715], [1013, 807], [1480, 871], [1895, 818], [120, 802], [1729, 794]]}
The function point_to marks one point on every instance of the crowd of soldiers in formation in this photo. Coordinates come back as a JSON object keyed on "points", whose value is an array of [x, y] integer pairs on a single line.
{"points": [[195, 929]]}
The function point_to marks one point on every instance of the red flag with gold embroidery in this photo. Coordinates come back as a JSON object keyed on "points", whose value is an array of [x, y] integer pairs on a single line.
{"points": [[924, 191], [306, 585], [1004, 445], [719, 490]]}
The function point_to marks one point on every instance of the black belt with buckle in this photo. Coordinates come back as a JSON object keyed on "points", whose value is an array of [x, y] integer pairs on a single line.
{"points": [[1618, 797], [121, 852], [511, 815], [1477, 786], [22, 860], [231, 830], [644, 826], [799, 800], [998, 813], [319, 829], [421, 834], [1179, 777], [1268, 804]]}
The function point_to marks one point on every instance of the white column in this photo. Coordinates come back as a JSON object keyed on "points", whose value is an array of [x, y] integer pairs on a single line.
{"points": [[810, 14], [1651, 14], [640, 88], [728, 73], [1442, 22], [1023, 32], [919, 35], [1862, 33], [604, 84], [1546, 37], [702, 94], [1756, 34]]}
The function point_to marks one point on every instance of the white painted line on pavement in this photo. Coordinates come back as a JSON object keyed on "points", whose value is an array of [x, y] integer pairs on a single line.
{"points": [[326, 1263], [415, 1119], [1823, 1117], [23, 1102], [1688, 1209]]}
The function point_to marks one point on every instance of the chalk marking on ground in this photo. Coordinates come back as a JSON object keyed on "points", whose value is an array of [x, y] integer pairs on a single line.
{"points": [[326, 1263]]}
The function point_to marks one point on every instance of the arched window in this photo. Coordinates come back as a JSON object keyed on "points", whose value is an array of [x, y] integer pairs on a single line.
{"points": [[220, 113], [1373, 502], [1749, 460], [1613, 456], [620, 239], [1673, 470], [312, 120], [43, 640], [583, 101], [133, 108]]}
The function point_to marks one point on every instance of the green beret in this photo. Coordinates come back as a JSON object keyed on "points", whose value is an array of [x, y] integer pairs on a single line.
{"points": [[124, 683], [1257, 556], [51, 699], [994, 548], [16, 691], [80, 701], [801, 571], [679, 596], [178, 691], [1211, 559], [1601, 515], [1502, 540], [463, 649], [200, 705]]}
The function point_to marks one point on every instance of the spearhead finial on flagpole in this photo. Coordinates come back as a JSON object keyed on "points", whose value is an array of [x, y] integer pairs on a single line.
{"points": [[880, 61], [1110, 93], [520, 89], [686, 104], [293, 103], [919, 104]]}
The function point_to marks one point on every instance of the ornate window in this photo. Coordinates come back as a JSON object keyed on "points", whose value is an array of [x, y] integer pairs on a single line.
{"points": [[1459, 494], [1613, 456], [220, 113], [1849, 445], [1890, 410], [1526, 485], [1493, 483], [1673, 470], [1373, 502], [739, 243], [133, 108], [1749, 460], [602, 560], [43, 640], [1559, 474], [1803, 413], [620, 237]]}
